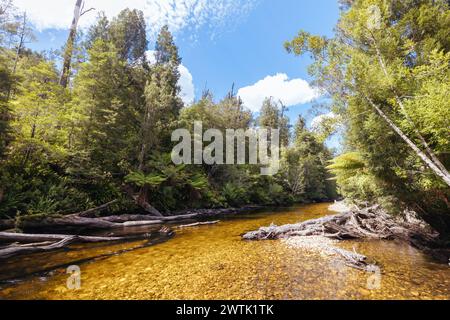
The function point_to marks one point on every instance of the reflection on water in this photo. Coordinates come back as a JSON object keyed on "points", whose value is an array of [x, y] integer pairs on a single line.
{"points": [[211, 262]]}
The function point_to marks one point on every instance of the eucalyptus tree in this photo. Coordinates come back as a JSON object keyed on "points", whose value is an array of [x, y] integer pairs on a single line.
{"points": [[386, 70]]}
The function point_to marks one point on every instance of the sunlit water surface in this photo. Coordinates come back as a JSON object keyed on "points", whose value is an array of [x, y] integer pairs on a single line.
{"points": [[212, 262]]}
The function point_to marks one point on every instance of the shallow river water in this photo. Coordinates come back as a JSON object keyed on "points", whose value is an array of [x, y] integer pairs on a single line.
{"points": [[212, 262]]}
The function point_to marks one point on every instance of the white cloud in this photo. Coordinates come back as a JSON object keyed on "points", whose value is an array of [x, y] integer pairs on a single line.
{"points": [[186, 81], [290, 92], [178, 14]]}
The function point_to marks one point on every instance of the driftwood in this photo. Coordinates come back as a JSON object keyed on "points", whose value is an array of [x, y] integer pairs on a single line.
{"points": [[42, 243], [369, 223], [101, 223], [145, 218], [8, 237], [353, 259], [18, 250], [34, 243], [197, 224], [75, 219]]}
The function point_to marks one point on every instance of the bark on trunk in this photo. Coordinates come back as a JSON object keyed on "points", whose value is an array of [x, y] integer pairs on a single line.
{"points": [[445, 177], [141, 200], [65, 74]]}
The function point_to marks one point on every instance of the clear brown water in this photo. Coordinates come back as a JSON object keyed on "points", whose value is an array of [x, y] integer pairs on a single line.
{"points": [[212, 262]]}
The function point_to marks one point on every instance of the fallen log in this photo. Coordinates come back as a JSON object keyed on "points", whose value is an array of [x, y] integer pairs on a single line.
{"points": [[18, 250], [141, 223], [131, 218], [141, 200], [71, 221], [197, 224], [34, 243], [8, 237]]}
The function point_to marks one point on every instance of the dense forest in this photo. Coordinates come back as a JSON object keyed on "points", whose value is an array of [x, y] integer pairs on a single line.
{"points": [[92, 125], [387, 72]]}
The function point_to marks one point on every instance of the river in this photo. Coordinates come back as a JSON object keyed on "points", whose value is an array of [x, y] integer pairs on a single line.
{"points": [[212, 262]]}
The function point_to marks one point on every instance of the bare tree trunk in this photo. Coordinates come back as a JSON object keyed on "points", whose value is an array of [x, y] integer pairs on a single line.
{"points": [[427, 147], [78, 13], [142, 201], [64, 80], [420, 153]]}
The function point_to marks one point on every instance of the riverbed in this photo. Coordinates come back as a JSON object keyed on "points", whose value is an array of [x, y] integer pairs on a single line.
{"points": [[212, 262]]}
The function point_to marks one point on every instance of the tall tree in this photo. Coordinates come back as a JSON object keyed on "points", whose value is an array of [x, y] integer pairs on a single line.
{"points": [[365, 47], [386, 71], [162, 106], [128, 33], [79, 11]]}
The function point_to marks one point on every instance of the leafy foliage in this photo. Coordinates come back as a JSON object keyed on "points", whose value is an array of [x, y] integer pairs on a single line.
{"points": [[108, 135], [395, 55]]}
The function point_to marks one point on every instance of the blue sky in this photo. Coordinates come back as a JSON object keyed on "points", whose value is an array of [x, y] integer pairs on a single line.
{"points": [[221, 41]]}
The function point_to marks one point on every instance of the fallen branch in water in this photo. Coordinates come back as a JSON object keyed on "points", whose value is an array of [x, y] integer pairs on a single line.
{"points": [[15, 250], [8, 237], [42, 243], [198, 224], [33, 243]]}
